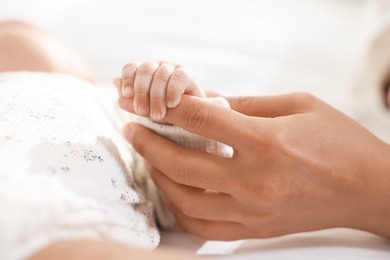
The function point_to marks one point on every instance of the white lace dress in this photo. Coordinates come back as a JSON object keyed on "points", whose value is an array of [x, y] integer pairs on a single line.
{"points": [[65, 171]]}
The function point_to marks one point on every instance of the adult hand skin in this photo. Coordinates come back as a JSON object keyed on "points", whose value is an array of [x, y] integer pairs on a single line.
{"points": [[298, 165]]}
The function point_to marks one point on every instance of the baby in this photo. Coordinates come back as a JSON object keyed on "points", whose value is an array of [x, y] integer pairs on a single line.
{"points": [[67, 174]]}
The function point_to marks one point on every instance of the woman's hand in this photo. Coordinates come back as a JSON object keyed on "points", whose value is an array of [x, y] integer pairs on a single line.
{"points": [[298, 165]]}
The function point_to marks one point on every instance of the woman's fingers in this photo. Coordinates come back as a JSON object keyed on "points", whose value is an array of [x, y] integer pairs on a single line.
{"points": [[273, 106], [214, 121], [195, 202], [182, 165]]}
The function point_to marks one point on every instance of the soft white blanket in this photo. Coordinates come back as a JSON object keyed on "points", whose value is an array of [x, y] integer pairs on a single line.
{"points": [[65, 169]]}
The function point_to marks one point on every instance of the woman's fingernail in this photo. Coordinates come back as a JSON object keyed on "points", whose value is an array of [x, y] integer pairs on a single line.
{"points": [[142, 110]]}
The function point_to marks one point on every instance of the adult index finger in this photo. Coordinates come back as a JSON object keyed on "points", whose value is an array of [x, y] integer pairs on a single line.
{"points": [[273, 106], [208, 119]]}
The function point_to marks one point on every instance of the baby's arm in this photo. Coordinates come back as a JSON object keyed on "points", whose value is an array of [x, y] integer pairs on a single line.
{"points": [[154, 86], [103, 249]]}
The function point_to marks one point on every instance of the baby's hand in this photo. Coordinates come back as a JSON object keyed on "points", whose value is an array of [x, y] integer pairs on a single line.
{"points": [[154, 86]]}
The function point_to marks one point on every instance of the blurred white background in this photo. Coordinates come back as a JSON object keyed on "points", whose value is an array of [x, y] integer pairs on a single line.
{"points": [[236, 46]]}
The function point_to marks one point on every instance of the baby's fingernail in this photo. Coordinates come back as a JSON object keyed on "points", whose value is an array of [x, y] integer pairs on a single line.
{"points": [[157, 115], [141, 109], [127, 91]]}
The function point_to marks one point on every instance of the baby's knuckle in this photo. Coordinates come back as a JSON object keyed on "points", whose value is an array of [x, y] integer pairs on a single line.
{"points": [[146, 68], [179, 75], [129, 69], [162, 74], [175, 87], [128, 82], [157, 101], [141, 92]]}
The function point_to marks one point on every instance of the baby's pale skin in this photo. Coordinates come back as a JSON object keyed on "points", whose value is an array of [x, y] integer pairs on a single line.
{"points": [[152, 87]]}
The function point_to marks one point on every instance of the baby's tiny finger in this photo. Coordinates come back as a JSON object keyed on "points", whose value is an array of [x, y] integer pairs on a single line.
{"points": [[176, 87], [142, 82], [128, 77], [118, 83], [158, 91]]}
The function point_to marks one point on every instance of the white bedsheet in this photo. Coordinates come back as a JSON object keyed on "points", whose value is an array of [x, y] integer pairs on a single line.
{"points": [[240, 47]]}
